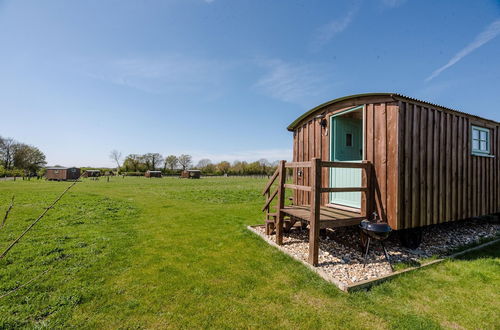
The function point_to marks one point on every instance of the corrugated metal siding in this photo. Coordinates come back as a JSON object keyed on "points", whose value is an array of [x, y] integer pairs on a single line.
{"points": [[440, 179]]}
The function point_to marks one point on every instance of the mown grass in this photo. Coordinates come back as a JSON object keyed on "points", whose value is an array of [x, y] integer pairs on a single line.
{"points": [[143, 253]]}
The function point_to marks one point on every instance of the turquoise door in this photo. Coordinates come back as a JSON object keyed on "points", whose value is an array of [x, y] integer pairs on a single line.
{"points": [[346, 146]]}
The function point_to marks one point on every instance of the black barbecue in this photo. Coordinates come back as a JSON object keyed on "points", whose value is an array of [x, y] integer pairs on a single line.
{"points": [[378, 231]]}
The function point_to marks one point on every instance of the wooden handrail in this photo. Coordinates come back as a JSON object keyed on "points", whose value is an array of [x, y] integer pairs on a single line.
{"points": [[269, 200], [298, 187], [298, 164], [344, 189], [271, 181], [363, 165]]}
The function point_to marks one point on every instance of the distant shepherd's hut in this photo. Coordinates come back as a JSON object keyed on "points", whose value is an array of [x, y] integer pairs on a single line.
{"points": [[60, 173], [191, 174], [92, 173], [153, 174]]}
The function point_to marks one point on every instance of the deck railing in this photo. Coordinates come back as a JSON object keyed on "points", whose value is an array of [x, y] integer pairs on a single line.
{"points": [[316, 189], [270, 197]]}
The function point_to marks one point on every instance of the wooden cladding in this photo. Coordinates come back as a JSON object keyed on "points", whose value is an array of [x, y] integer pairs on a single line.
{"points": [[440, 179], [381, 148], [423, 172]]}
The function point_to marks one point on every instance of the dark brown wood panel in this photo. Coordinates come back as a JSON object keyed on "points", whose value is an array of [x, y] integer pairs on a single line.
{"points": [[393, 164], [442, 180]]}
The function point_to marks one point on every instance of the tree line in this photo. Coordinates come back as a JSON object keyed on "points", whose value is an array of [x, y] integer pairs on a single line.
{"points": [[20, 159], [136, 164]]}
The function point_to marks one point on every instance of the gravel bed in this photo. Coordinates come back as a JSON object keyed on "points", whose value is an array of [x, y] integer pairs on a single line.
{"points": [[341, 258]]}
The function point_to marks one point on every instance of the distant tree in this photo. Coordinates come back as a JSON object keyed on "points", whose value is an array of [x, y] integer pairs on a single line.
{"points": [[152, 160], [265, 164], [171, 162], [116, 156], [209, 169], [203, 163], [132, 163], [206, 166], [7, 146], [239, 167], [28, 158], [223, 167], [185, 161], [143, 163], [253, 168]]}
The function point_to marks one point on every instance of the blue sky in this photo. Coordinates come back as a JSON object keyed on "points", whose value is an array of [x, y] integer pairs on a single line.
{"points": [[222, 79]]}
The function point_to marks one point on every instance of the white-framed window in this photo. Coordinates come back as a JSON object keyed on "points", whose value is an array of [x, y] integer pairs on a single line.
{"points": [[480, 140]]}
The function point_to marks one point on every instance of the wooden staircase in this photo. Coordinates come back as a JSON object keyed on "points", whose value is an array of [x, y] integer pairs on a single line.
{"points": [[316, 216], [270, 216]]}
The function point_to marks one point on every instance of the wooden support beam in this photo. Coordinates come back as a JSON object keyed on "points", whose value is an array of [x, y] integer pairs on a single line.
{"points": [[298, 187], [268, 195], [344, 164], [314, 222], [298, 164], [344, 189], [366, 209], [281, 202]]}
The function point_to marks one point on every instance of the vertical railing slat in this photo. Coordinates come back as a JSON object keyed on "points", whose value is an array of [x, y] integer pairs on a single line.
{"points": [[281, 202], [314, 221]]}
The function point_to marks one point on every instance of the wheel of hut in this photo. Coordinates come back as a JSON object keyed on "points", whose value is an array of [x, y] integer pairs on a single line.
{"points": [[410, 238]]}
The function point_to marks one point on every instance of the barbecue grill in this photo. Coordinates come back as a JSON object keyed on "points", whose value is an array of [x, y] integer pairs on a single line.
{"points": [[377, 231]]}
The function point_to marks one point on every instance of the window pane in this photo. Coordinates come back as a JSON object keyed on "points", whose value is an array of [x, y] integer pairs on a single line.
{"points": [[484, 146], [348, 140], [475, 134], [484, 135], [475, 145]]}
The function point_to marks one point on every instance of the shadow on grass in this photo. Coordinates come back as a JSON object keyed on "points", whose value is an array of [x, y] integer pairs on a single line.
{"points": [[490, 251]]}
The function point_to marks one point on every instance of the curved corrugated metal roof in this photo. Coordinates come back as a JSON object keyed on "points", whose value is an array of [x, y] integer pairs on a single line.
{"points": [[293, 125]]}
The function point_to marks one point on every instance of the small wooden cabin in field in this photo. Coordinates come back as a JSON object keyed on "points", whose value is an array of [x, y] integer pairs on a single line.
{"points": [[153, 174], [60, 173], [191, 174], [92, 173], [412, 162]]}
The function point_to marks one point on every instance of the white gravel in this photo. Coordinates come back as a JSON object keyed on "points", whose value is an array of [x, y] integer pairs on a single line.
{"points": [[341, 258]]}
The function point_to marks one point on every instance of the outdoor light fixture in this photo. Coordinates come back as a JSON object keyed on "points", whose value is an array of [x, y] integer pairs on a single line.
{"points": [[322, 119]]}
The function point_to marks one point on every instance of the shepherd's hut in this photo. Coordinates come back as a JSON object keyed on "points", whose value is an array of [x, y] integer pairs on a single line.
{"points": [[191, 174], [60, 173], [153, 174], [92, 173], [412, 162]]}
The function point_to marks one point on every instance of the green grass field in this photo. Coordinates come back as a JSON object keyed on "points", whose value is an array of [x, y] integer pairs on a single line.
{"points": [[149, 253]]}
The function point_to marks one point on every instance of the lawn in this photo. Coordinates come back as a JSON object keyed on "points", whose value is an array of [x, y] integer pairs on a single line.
{"points": [[139, 252]]}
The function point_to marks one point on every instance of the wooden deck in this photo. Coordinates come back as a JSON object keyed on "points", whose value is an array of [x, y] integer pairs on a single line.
{"points": [[317, 216], [328, 217]]}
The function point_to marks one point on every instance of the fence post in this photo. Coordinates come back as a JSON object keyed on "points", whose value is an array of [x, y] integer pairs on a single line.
{"points": [[314, 219], [281, 202]]}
